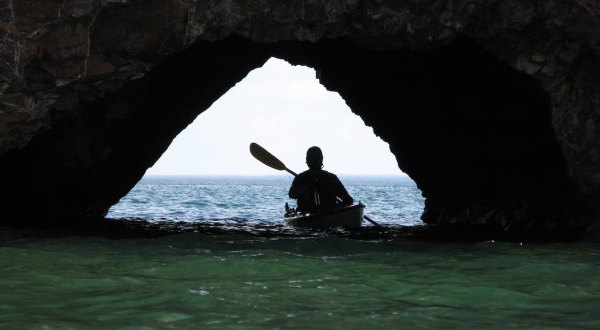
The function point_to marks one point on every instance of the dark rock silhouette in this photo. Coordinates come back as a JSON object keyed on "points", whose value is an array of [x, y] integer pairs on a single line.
{"points": [[492, 107]]}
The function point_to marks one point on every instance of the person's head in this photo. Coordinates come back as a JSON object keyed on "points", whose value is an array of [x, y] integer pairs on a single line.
{"points": [[314, 158]]}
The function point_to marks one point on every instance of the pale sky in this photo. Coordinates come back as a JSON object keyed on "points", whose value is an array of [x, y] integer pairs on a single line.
{"points": [[286, 110]]}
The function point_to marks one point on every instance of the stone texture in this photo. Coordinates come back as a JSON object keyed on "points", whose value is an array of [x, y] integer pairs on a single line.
{"points": [[76, 77]]}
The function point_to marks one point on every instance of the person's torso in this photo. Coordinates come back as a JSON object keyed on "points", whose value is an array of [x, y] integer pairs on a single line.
{"points": [[321, 194]]}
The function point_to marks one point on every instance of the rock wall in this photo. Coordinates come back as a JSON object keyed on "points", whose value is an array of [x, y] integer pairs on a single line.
{"points": [[491, 106], [475, 134]]}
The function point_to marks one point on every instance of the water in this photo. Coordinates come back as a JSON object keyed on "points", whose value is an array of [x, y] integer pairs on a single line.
{"points": [[393, 200], [231, 274]]}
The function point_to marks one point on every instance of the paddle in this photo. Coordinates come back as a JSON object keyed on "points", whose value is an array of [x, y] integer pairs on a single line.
{"points": [[265, 157]]}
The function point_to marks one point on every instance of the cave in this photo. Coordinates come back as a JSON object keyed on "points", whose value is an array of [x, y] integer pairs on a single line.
{"points": [[473, 133], [495, 122]]}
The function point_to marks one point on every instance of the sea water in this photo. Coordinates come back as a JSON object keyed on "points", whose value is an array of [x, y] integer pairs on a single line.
{"points": [[393, 200], [234, 265]]}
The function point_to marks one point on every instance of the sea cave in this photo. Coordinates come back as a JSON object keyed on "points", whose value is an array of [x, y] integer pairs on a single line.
{"points": [[491, 109]]}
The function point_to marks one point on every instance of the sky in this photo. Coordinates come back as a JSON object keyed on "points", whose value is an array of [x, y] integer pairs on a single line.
{"points": [[286, 110]]}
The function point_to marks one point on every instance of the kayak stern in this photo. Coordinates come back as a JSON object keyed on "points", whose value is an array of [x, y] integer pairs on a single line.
{"points": [[349, 216]]}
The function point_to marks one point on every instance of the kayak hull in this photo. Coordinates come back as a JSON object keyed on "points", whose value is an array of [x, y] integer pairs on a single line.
{"points": [[349, 216]]}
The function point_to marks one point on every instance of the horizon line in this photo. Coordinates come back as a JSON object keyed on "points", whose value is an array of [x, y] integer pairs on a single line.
{"points": [[274, 174]]}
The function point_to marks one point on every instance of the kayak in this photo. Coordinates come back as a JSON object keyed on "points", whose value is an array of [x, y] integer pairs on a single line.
{"points": [[348, 216]]}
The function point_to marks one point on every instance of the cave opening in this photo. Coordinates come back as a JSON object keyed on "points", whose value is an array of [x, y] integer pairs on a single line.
{"points": [[282, 107], [287, 110], [473, 133]]}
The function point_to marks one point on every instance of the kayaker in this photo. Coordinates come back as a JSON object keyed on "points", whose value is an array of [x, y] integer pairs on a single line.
{"points": [[316, 189]]}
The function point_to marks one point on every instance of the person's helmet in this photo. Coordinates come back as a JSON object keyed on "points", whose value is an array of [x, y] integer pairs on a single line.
{"points": [[314, 158]]}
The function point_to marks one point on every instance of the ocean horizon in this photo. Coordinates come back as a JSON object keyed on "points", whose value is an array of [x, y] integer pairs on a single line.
{"points": [[258, 198]]}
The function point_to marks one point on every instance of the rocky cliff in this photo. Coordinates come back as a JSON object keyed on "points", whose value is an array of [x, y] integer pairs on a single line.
{"points": [[491, 106]]}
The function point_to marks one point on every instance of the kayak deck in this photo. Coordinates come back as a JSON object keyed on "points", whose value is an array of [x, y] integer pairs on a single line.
{"points": [[349, 216]]}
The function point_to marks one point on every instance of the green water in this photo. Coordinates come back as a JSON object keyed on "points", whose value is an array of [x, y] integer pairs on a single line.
{"points": [[237, 281]]}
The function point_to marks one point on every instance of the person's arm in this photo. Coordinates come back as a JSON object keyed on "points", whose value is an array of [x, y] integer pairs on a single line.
{"points": [[297, 188], [342, 193]]}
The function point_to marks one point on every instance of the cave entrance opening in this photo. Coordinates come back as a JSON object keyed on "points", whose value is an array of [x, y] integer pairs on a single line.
{"points": [[474, 133], [285, 109], [207, 173]]}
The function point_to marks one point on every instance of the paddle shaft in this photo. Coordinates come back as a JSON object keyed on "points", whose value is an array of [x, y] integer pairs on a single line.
{"points": [[371, 221]]}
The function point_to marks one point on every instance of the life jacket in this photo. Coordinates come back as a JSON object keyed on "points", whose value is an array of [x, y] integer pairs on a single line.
{"points": [[316, 199]]}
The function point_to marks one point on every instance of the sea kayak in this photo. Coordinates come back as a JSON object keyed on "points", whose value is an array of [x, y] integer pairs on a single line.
{"points": [[348, 216]]}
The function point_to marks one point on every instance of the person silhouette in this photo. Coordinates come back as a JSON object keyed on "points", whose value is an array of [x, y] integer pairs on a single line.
{"points": [[315, 189]]}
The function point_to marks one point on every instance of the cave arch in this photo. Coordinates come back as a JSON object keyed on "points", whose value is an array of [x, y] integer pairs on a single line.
{"points": [[474, 134]]}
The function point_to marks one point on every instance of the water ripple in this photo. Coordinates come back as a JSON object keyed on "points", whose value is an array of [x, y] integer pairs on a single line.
{"points": [[389, 200]]}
